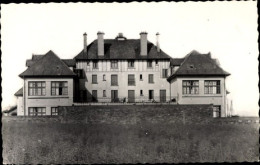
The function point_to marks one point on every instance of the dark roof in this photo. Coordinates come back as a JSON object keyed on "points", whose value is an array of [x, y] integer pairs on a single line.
{"points": [[13, 108], [49, 65], [196, 64], [68, 62], [176, 61], [19, 92], [121, 49]]}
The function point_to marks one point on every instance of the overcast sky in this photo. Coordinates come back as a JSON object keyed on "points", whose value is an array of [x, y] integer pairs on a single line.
{"points": [[226, 29]]}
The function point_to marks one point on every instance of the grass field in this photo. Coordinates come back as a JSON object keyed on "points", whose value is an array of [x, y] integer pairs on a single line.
{"points": [[141, 143]]}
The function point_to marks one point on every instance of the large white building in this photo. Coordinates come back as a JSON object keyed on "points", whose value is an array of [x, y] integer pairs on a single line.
{"points": [[120, 70]]}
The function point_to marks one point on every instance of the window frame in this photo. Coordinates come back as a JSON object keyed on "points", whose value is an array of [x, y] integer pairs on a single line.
{"points": [[131, 63], [95, 64], [35, 88], [141, 77], [104, 77], [217, 111], [96, 81], [141, 92], [149, 63], [190, 86], [55, 112], [114, 64], [164, 74], [132, 82], [116, 80], [152, 80], [209, 87], [64, 88], [152, 96], [104, 93], [35, 111]]}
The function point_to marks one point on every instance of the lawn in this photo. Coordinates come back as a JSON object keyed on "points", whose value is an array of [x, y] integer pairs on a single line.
{"points": [[25, 142]]}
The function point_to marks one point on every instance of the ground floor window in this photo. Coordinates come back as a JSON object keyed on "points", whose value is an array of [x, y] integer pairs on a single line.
{"points": [[37, 111], [217, 111], [54, 111]]}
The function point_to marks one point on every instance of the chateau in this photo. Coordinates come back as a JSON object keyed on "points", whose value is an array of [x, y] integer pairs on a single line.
{"points": [[120, 71]]}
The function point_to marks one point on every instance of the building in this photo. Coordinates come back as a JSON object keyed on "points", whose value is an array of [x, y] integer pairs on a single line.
{"points": [[120, 70]]}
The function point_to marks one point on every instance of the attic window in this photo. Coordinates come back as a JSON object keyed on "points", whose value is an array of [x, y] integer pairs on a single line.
{"points": [[191, 66], [120, 37]]}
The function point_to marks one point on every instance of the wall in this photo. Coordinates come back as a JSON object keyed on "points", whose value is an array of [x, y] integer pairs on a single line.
{"points": [[48, 100], [201, 98], [122, 72], [20, 110], [134, 114]]}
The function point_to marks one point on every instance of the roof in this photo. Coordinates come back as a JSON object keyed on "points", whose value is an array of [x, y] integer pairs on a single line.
{"points": [[19, 92], [196, 64], [49, 65], [13, 108], [68, 62], [176, 61], [121, 49]]}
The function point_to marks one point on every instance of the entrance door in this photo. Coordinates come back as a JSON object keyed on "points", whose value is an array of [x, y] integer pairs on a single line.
{"points": [[114, 96], [162, 95], [131, 96]]}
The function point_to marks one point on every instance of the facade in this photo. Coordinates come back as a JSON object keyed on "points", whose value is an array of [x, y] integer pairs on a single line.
{"points": [[120, 70]]}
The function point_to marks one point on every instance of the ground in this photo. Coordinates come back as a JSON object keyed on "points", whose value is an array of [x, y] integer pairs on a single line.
{"points": [[32, 142]]}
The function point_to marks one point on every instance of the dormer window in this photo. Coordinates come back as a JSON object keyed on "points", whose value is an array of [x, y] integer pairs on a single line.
{"points": [[149, 64], [191, 66], [114, 64], [131, 64], [120, 37]]}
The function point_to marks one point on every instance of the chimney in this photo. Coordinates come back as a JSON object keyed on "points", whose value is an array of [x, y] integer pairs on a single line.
{"points": [[85, 42], [143, 43], [100, 43], [157, 42]]}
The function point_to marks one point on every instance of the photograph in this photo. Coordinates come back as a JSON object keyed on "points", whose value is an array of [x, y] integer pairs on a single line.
{"points": [[139, 82]]}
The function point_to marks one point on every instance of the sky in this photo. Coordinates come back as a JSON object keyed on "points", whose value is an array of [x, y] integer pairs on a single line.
{"points": [[226, 29]]}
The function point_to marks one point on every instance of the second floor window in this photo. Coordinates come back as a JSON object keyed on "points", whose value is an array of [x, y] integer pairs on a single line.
{"points": [[104, 77], [104, 93], [149, 64], [36, 88], [150, 80], [165, 73], [114, 64], [114, 81], [212, 87], [131, 79], [95, 64], [59, 88], [94, 79], [131, 64], [190, 87], [141, 77]]}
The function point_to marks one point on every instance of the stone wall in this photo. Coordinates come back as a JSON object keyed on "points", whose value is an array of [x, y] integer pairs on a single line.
{"points": [[134, 114]]}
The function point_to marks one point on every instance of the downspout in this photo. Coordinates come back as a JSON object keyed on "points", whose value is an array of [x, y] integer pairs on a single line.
{"points": [[225, 97], [24, 95]]}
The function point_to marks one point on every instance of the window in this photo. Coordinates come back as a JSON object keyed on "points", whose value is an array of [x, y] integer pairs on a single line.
{"points": [[149, 64], [190, 87], [150, 80], [54, 111], [141, 77], [95, 64], [37, 111], [151, 96], [114, 81], [141, 92], [114, 64], [212, 87], [88, 63], [131, 64], [131, 79], [36, 88], [94, 95], [165, 73], [94, 79], [79, 73], [217, 111], [59, 88], [104, 77], [104, 93], [156, 62]]}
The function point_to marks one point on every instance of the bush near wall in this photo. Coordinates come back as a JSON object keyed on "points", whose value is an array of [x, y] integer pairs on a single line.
{"points": [[135, 114]]}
